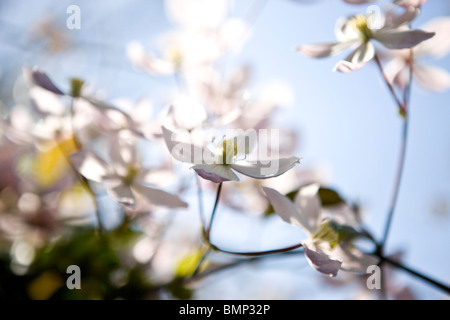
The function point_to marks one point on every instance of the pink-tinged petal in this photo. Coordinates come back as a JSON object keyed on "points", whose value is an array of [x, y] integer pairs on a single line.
{"points": [[320, 261], [410, 3], [41, 79], [347, 67], [182, 151], [309, 206], [395, 70], [123, 151], [394, 20], [46, 102], [357, 59], [121, 193], [354, 260], [324, 50], [141, 59], [363, 54], [395, 39], [432, 78], [90, 166], [439, 45], [271, 169], [215, 172], [284, 208], [160, 197]]}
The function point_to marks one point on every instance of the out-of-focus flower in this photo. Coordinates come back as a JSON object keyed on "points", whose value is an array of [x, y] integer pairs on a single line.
{"points": [[429, 77], [217, 163], [204, 34], [359, 31], [328, 247], [124, 178]]}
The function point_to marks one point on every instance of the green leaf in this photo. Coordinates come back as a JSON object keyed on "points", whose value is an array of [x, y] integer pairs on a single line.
{"points": [[329, 197]]}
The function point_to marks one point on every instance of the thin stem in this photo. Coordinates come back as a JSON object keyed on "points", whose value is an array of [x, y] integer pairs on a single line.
{"points": [[417, 274], [200, 202], [216, 203], [398, 179], [257, 253], [400, 105], [200, 263]]}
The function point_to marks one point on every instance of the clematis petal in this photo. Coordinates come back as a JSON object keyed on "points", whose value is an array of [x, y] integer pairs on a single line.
{"points": [[90, 166], [395, 69], [215, 172], [284, 208], [160, 197], [395, 39], [357, 59], [182, 151], [320, 261], [432, 78], [347, 67], [364, 53], [42, 80], [354, 260], [309, 206], [121, 193], [145, 61], [326, 49], [438, 46], [259, 170], [46, 101]]}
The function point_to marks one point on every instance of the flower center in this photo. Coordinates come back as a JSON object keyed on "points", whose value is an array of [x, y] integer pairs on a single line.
{"points": [[227, 150], [360, 25], [333, 233], [132, 172], [175, 56]]}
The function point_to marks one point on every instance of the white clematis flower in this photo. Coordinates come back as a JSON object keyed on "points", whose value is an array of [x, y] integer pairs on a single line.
{"points": [[124, 178], [359, 31], [228, 155], [328, 247]]}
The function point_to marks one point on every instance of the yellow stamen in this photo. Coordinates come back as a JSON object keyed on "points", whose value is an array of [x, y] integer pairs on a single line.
{"points": [[360, 25]]}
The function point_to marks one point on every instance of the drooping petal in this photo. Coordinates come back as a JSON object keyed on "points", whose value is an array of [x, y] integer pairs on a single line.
{"points": [[395, 69], [182, 151], [215, 172], [347, 67], [90, 166], [320, 261], [325, 50], [120, 192], [284, 207], [160, 197], [260, 170], [357, 59], [354, 260], [432, 78], [401, 39], [364, 53], [46, 101], [42, 80], [394, 20], [309, 206]]}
